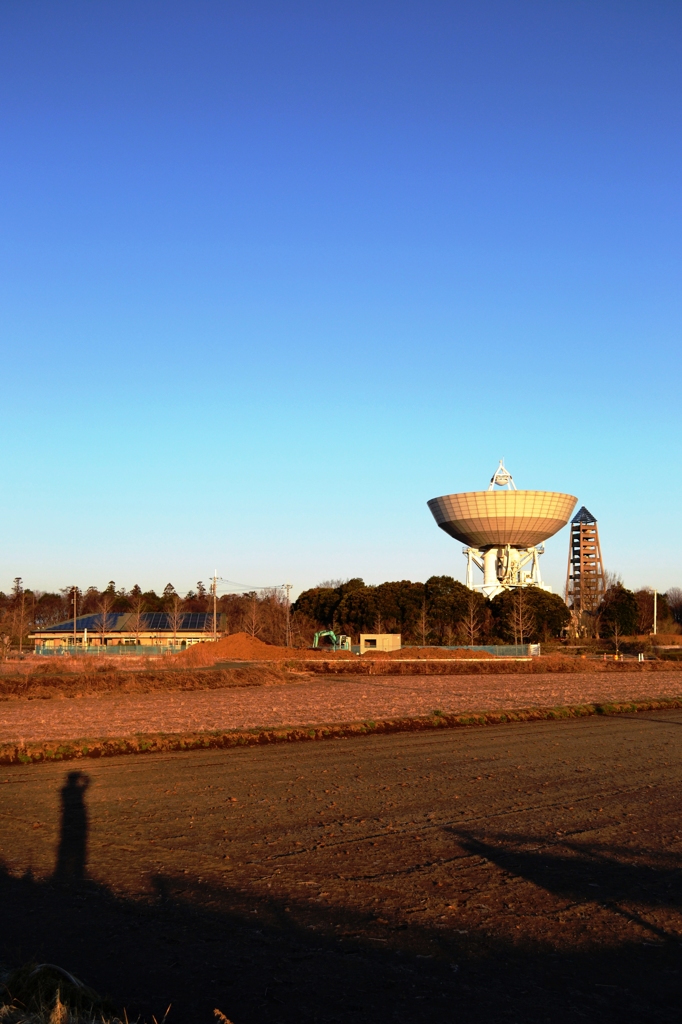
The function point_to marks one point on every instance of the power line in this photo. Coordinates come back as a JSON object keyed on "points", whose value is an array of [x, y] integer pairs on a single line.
{"points": [[249, 586]]}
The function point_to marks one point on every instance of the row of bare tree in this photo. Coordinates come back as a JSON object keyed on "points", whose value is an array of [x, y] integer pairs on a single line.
{"points": [[261, 614]]}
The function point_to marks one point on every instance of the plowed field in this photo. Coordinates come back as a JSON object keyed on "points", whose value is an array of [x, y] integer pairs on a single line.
{"points": [[523, 873], [329, 700]]}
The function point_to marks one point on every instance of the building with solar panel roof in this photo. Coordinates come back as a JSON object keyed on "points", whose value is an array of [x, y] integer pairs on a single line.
{"points": [[116, 630]]}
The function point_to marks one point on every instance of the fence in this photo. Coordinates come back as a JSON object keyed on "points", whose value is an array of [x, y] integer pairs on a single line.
{"points": [[148, 650], [116, 649], [506, 650]]}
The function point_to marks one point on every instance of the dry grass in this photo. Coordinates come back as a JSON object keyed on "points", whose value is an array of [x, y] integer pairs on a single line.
{"points": [[48, 994], [38, 664], [45, 685], [541, 665]]}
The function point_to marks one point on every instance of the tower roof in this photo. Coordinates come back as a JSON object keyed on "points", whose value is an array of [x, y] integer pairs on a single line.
{"points": [[583, 516]]}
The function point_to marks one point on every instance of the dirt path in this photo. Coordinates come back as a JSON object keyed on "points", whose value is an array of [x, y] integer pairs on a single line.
{"points": [[527, 873], [330, 701]]}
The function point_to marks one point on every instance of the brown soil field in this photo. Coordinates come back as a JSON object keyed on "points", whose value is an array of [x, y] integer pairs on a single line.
{"points": [[313, 701], [527, 873]]}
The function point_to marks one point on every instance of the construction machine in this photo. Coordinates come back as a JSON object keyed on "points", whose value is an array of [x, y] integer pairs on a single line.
{"points": [[339, 643]]}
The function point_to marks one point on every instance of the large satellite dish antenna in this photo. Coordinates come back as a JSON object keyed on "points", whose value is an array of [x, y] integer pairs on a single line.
{"points": [[503, 530]]}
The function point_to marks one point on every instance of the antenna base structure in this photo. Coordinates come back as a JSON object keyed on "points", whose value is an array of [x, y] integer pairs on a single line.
{"points": [[503, 529], [505, 568]]}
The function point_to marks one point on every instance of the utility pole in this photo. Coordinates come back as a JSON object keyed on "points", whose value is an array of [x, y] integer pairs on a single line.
{"points": [[214, 588], [21, 625], [655, 611], [287, 587], [75, 610]]}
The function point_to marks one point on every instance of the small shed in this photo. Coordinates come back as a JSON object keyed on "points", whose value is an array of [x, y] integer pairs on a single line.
{"points": [[380, 642]]}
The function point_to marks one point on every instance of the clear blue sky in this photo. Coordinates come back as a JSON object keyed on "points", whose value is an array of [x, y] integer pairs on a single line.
{"points": [[275, 273]]}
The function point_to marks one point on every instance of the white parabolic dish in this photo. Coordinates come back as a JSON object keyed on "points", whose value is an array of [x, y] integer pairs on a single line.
{"points": [[484, 519]]}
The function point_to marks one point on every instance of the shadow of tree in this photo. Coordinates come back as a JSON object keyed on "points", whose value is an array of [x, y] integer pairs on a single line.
{"points": [[584, 871]]}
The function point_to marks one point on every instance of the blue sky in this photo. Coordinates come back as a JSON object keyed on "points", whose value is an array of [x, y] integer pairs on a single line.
{"points": [[274, 274]]}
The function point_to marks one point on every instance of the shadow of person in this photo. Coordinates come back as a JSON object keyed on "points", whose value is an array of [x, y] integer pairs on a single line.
{"points": [[72, 852]]}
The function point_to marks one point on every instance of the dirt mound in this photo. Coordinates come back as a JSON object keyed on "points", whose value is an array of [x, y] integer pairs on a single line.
{"points": [[242, 647], [238, 646]]}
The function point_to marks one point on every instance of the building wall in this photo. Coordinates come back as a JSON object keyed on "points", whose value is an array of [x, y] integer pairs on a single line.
{"points": [[157, 639], [380, 642]]}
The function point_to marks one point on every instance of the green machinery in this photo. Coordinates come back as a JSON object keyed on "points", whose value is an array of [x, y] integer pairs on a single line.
{"points": [[339, 643]]}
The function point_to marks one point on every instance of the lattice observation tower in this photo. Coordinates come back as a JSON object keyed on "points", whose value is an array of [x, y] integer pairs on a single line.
{"points": [[585, 584]]}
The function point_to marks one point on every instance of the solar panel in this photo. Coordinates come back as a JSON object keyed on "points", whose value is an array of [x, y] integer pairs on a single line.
{"points": [[114, 622], [90, 622], [194, 620], [156, 620]]}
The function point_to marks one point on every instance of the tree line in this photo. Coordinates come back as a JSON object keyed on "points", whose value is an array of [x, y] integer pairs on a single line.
{"points": [[260, 613], [441, 611], [624, 612]]}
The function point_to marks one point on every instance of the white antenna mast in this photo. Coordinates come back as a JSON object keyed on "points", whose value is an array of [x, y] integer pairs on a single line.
{"points": [[501, 478]]}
